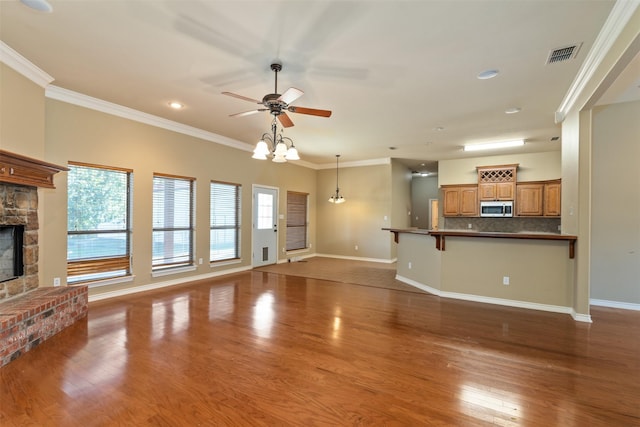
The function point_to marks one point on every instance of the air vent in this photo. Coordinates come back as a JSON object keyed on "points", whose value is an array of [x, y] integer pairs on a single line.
{"points": [[564, 53]]}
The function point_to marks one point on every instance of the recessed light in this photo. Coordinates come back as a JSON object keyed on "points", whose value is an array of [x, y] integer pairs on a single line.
{"points": [[494, 145], [513, 110], [438, 128], [176, 105], [392, 148], [488, 74]]}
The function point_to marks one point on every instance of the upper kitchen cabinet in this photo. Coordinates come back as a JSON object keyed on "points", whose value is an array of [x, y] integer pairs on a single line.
{"points": [[540, 198], [552, 197], [497, 182], [460, 200]]}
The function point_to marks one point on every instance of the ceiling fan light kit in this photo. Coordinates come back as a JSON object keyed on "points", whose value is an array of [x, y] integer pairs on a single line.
{"points": [[282, 147], [278, 105]]}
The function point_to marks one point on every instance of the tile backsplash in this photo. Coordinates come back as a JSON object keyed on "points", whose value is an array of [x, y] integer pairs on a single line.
{"points": [[507, 225]]}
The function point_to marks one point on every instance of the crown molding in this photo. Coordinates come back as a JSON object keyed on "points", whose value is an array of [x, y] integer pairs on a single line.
{"points": [[357, 163], [75, 98], [22, 65], [621, 13]]}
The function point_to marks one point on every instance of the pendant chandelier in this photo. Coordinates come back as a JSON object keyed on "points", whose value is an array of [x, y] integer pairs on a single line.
{"points": [[282, 148], [337, 198]]}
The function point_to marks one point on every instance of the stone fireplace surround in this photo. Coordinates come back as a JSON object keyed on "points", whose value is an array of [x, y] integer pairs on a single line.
{"points": [[19, 206], [30, 314]]}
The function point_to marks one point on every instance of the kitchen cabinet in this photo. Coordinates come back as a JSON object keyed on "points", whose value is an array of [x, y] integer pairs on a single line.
{"points": [[497, 182], [460, 200], [529, 199], [540, 198], [552, 198]]}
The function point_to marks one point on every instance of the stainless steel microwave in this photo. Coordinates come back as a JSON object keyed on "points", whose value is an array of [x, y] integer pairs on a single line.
{"points": [[496, 209]]}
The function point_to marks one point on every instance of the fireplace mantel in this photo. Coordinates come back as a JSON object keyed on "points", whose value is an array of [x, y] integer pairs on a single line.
{"points": [[22, 170]]}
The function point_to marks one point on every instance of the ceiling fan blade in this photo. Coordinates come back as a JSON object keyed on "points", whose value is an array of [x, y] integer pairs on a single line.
{"points": [[290, 95], [235, 95], [285, 120], [248, 113], [310, 111]]}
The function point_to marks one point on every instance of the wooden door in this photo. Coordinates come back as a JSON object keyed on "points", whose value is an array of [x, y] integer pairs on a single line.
{"points": [[469, 201], [451, 200], [505, 190], [552, 199], [529, 199]]}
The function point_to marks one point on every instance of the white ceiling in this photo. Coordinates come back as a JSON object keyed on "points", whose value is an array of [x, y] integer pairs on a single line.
{"points": [[391, 71]]}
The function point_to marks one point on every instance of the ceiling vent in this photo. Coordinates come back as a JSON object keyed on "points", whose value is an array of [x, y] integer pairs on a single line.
{"points": [[564, 53]]}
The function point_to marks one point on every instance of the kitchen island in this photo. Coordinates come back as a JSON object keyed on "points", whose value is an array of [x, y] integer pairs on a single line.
{"points": [[529, 270]]}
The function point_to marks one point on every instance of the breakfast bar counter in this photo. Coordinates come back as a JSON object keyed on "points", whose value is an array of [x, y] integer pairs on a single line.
{"points": [[520, 269], [441, 234]]}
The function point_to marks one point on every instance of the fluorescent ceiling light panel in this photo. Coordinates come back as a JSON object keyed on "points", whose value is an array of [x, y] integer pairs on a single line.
{"points": [[494, 145]]}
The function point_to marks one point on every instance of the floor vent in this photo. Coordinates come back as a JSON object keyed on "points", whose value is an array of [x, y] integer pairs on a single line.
{"points": [[564, 53]]}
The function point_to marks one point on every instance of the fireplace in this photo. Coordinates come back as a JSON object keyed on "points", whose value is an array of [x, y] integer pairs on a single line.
{"points": [[11, 242], [18, 240]]}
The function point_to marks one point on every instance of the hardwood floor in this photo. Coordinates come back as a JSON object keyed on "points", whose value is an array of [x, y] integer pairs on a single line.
{"points": [[260, 348]]}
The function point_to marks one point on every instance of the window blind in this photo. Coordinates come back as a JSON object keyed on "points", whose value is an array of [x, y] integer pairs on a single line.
{"points": [[224, 221], [172, 221], [296, 220], [98, 222]]}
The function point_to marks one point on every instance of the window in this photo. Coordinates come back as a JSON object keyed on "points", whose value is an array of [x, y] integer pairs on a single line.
{"points": [[224, 243], [98, 222], [172, 222], [296, 220]]}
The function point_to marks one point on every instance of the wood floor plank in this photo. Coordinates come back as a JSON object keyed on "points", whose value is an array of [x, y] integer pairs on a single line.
{"points": [[267, 348]]}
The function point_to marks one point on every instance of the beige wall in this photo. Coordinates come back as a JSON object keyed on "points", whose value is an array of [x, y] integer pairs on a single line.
{"points": [[532, 167], [419, 260], [400, 199], [423, 188], [615, 211], [577, 130], [540, 272], [358, 221], [79, 134], [21, 114], [538, 269]]}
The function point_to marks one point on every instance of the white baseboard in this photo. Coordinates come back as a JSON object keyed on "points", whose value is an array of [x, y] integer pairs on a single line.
{"points": [[165, 284], [355, 258], [615, 304], [497, 301]]}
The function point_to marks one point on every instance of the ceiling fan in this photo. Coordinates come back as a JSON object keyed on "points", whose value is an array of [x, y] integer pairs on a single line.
{"points": [[277, 104]]}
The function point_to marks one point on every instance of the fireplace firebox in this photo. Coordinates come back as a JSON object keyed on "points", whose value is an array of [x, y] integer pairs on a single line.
{"points": [[11, 244]]}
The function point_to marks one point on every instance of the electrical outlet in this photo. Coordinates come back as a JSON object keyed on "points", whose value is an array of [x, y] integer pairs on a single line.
{"points": [[409, 265], [469, 226], [356, 247], [56, 281], [505, 280], [200, 261]]}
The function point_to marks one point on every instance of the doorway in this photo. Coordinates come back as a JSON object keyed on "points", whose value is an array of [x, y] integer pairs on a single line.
{"points": [[264, 241]]}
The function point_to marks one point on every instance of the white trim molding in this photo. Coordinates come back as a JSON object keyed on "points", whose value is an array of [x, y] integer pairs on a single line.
{"points": [[620, 14], [75, 98], [497, 301], [164, 284], [615, 304], [22, 65], [355, 258]]}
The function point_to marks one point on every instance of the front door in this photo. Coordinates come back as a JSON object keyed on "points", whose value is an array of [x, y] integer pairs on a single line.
{"points": [[265, 226]]}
